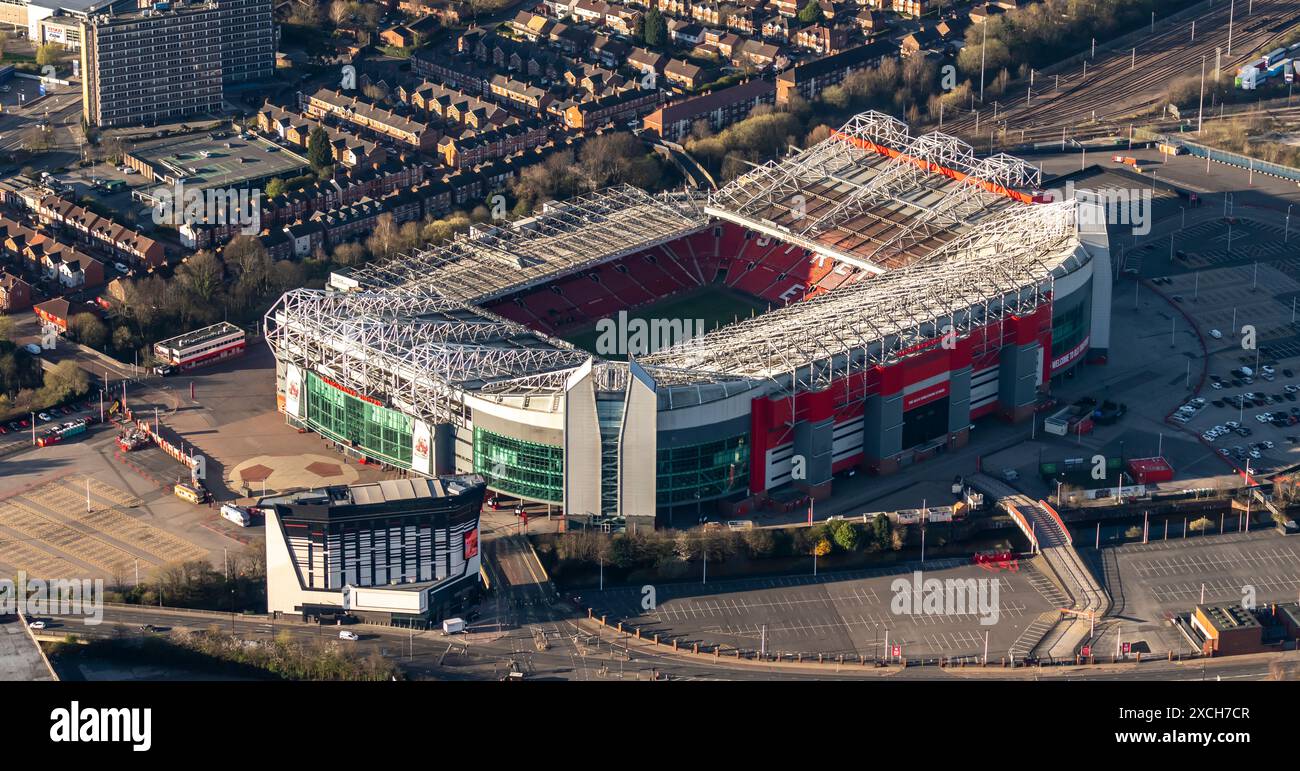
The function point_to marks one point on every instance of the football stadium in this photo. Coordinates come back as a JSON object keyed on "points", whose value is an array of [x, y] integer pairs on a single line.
{"points": [[859, 304]]}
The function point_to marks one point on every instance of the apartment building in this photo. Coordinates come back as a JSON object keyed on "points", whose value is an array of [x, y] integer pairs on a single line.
{"points": [[719, 109], [151, 66], [809, 80], [248, 40], [169, 62]]}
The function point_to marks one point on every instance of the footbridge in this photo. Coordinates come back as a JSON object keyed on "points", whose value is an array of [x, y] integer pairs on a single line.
{"points": [[1049, 537]]}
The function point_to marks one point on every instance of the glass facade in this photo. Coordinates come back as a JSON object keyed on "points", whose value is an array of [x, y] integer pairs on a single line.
{"points": [[377, 431], [527, 469], [1070, 327], [609, 414], [709, 470]]}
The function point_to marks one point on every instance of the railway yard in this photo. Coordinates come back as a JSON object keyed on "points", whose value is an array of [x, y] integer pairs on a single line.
{"points": [[1125, 81]]}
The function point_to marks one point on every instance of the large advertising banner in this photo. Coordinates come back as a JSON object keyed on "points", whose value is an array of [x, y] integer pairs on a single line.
{"points": [[471, 543], [293, 391], [421, 447]]}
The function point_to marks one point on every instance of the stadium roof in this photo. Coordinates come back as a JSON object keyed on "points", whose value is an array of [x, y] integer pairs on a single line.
{"points": [[955, 239], [1006, 267], [874, 196], [565, 238]]}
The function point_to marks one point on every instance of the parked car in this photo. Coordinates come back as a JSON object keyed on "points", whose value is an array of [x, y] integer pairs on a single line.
{"points": [[347, 635]]}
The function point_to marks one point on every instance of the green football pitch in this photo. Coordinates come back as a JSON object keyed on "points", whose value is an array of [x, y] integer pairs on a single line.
{"points": [[713, 306]]}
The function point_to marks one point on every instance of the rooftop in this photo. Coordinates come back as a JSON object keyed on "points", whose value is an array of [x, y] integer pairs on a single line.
{"points": [[200, 336], [230, 161], [340, 498], [1227, 617]]}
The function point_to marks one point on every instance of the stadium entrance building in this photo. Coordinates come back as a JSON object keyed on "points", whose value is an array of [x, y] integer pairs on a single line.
{"points": [[401, 551], [913, 290]]}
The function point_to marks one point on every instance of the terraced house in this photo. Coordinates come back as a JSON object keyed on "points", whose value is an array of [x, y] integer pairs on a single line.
{"points": [[347, 149], [120, 243], [362, 114]]}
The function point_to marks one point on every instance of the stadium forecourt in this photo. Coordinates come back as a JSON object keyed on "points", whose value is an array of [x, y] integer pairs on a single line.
{"points": [[915, 289]]}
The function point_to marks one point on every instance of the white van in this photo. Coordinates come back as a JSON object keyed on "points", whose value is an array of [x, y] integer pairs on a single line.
{"points": [[236, 514], [453, 626]]}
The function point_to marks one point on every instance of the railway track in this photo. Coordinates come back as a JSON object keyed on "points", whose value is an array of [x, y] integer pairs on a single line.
{"points": [[1113, 90]]}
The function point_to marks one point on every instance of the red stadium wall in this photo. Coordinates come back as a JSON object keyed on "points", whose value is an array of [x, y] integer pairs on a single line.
{"points": [[772, 419]]}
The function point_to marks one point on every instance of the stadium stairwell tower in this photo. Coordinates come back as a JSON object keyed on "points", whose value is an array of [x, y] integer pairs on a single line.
{"points": [[605, 428], [913, 290]]}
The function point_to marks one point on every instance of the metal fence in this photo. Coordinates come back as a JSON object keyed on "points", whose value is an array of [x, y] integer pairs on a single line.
{"points": [[1224, 156]]}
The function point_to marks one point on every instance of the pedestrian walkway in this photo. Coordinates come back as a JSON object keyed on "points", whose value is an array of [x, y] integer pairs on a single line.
{"points": [[1089, 602]]}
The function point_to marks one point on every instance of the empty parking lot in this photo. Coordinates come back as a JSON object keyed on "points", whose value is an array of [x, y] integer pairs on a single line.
{"points": [[850, 612]]}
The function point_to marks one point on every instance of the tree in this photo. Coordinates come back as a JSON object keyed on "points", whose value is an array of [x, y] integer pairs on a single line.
{"points": [[384, 240], [65, 381], [654, 28], [822, 547], [319, 153], [759, 542], [87, 329], [6, 328], [349, 254], [846, 535], [1133, 532], [899, 537], [881, 526], [50, 53], [123, 340], [811, 13], [274, 189], [201, 277], [1201, 525]]}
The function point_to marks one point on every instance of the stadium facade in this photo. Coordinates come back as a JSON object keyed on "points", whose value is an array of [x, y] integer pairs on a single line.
{"points": [[916, 288]]}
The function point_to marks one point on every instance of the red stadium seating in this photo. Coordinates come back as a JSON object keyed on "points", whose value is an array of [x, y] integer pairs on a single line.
{"points": [[769, 269]]}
